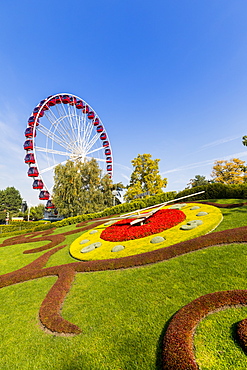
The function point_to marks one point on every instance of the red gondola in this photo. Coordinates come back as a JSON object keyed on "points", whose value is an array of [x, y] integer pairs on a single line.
{"points": [[108, 152], [96, 122], [103, 136], [28, 145], [49, 205], [29, 132], [65, 99], [100, 128], [109, 167], [85, 109], [38, 184], [79, 104], [58, 99], [31, 121], [108, 159], [44, 195], [42, 102], [106, 144], [29, 158], [72, 101], [91, 115], [33, 172], [45, 107], [51, 102], [36, 111]]}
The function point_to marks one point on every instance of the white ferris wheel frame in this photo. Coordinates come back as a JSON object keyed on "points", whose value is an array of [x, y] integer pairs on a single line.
{"points": [[73, 131]]}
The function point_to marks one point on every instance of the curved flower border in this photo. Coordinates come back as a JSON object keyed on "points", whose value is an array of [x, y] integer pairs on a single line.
{"points": [[178, 341]]}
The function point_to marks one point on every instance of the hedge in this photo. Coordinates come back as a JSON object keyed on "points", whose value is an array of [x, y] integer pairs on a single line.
{"points": [[216, 191]]}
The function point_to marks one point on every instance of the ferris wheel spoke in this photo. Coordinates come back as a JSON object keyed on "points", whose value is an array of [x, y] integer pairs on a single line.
{"points": [[68, 122], [92, 142], [65, 132], [88, 132], [44, 170], [52, 136], [52, 151], [72, 119], [60, 121], [61, 124], [98, 159], [95, 150]]}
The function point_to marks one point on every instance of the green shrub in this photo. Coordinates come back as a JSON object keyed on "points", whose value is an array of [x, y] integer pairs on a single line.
{"points": [[17, 227], [216, 191]]}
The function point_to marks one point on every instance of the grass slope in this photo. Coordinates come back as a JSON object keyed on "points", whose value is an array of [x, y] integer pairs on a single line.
{"points": [[123, 314]]}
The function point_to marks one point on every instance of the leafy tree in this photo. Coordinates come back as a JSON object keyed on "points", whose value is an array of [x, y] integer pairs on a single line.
{"points": [[80, 187], [10, 200], [197, 181], [2, 217], [229, 172], [37, 212], [2, 200], [145, 177]]}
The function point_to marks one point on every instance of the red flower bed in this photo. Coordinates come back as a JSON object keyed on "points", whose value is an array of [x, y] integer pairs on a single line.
{"points": [[160, 221]]}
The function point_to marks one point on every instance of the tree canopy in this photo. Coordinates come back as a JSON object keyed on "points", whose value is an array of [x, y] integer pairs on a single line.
{"points": [[10, 200], [80, 187], [145, 177], [229, 172], [197, 181]]}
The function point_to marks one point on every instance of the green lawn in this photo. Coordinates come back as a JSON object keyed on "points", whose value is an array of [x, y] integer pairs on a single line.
{"points": [[123, 314]]}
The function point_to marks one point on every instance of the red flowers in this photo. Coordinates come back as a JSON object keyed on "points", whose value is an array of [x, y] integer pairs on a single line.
{"points": [[160, 221]]}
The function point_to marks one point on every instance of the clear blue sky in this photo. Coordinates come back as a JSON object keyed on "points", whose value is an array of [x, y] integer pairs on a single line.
{"points": [[167, 78]]}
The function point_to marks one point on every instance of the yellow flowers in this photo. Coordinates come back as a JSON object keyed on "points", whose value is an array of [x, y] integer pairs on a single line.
{"points": [[210, 220]]}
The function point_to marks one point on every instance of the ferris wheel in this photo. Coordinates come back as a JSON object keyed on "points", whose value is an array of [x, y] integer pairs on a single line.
{"points": [[63, 127]]}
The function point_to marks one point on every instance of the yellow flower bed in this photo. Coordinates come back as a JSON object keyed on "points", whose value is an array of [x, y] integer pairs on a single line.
{"points": [[137, 246]]}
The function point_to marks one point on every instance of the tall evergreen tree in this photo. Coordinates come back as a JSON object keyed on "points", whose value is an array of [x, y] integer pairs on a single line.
{"points": [[145, 177]]}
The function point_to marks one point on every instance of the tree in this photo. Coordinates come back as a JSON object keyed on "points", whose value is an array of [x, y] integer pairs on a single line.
{"points": [[80, 187], [10, 200], [197, 181], [37, 212], [145, 177], [229, 172]]}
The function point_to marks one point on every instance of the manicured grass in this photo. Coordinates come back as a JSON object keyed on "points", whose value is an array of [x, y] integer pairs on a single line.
{"points": [[219, 350], [123, 313], [232, 218], [12, 257]]}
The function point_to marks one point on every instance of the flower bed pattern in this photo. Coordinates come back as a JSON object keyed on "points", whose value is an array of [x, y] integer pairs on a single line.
{"points": [[160, 221], [178, 340], [178, 353], [168, 237]]}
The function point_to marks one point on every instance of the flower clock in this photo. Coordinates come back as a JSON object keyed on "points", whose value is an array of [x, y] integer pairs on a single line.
{"points": [[162, 220], [126, 237]]}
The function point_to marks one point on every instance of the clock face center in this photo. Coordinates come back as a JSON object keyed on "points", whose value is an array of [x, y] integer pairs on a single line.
{"points": [[162, 220]]}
